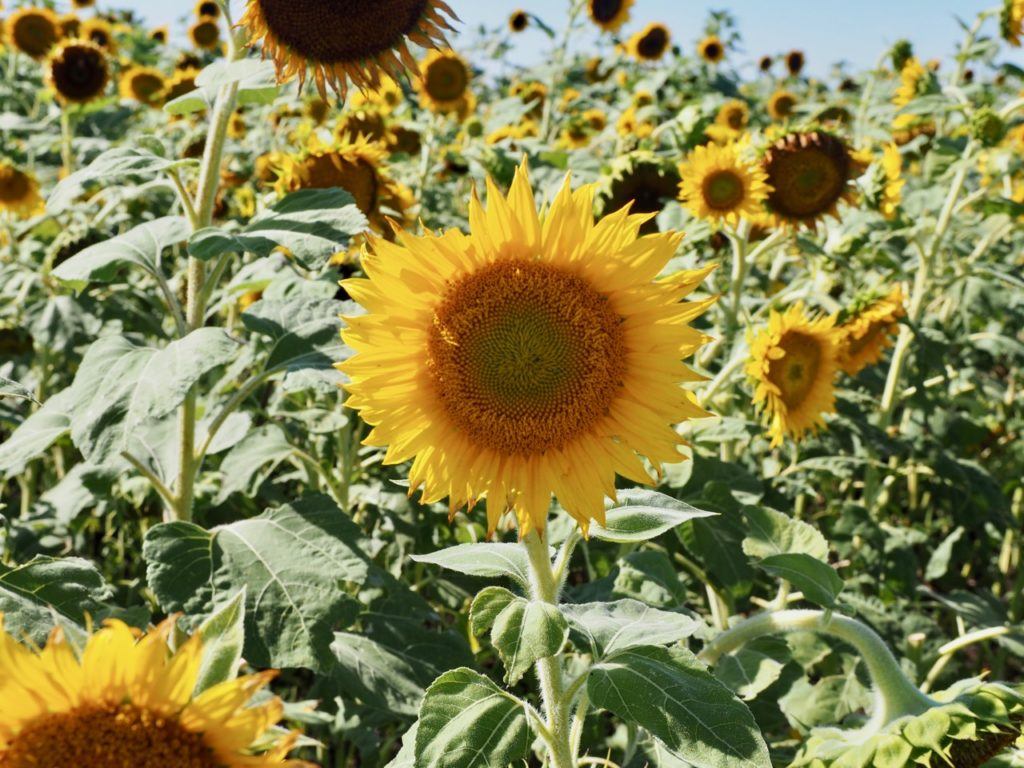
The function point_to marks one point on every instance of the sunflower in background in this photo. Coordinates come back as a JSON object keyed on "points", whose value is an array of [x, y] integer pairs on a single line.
{"points": [[631, 126], [78, 72], [644, 182], [730, 121], [70, 26], [443, 83], [100, 32], [892, 191], [650, 43], [345, 42], [205, 33], [33, 31], [385, 98], [913, 81], [79, 4], [793, 362], [1011, 21], [609, 15], [143, 84], [711, 49], [795, 61], [19, 192], [781, 104], [518, 21], [868, 330], [719, 185], [207, 9], [159, 35]]}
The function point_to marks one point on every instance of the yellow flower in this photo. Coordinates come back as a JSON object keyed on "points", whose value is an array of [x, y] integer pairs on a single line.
{"points": [[19, 192], [640, 180], [532, 93], [385, 98], [237, 127], [781, 104], [536, 355], [719, 185], [1011, 21], [181, 82], [100, 32], [794, 362], [205, 33], [33, 31], [209, 8], [159, 35], [70, 25], [650, 43], [630, 126], [345, 41], [78, 72], [868, 331], [730, 121], [911, 77], [892, 193], [711, 49], [609, 15], [518, 21], [525, 129], [443, 84], [595, 119], [127, 700]]}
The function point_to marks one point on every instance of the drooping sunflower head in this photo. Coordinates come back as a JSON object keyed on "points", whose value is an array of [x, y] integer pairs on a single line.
{"points": [[609, 15], [795, 62], [642, 181], [443, 83], [793, 363], [720, 185], [868, 329], [781, 104], [33, 31], [78, 72], [210, 8], [765, 63], [345, 40], [536, 355], [205, 33], [128, 700], [143, 84], [650, 43], [101, 32], [19, 192], [711, 49], [809, 174], [1011, 21], [518, 21]]}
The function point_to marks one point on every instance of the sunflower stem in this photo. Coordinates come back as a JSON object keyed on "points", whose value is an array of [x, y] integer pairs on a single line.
{"points": [[67, 138]]}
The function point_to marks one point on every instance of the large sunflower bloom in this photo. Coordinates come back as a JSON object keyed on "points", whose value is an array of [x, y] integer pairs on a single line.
{"points": [[794, 362], [719, 185], [128, 701], [868, 331], [345, 40], [19, 192], [536, 355], [33, 31]]}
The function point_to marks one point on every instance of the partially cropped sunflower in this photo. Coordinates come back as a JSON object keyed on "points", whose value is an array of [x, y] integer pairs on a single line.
{"points": [[650, 43], [609, 15], [143, 84], [345, 40], [643, 181], [781, 104], [1011, 21], [868, 330], [78, 72], [443, 83], [518, 21], [83, 3], [793, 362], [719, 185], [101, 32], [366, 123], [711, 49], [205, 33], [19, 192], [210, 8], [128, 700], [892, 191], [536, 355], [33, 31], [730, 121], [809, 174]]}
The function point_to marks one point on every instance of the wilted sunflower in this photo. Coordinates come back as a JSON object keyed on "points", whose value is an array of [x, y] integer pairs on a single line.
{"points": [[518, 21], [892, 191], [443, 82], [781, 104], [19, 192], [795, 62], [100, 32], [33, 31], [809, 174], [642, 180], [609, 15], [711, 49], [730, 121], [210, 8], [345, 40], [142, 84], [868, 330], [78, 72], [718, 184], [126, 700], [794, 362], [650, 43], [159, 35], [205, 33], [536, 355]]}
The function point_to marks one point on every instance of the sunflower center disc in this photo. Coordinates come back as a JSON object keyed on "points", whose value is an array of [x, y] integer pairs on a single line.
{"points": [[358, 178], [653, 44], [13, 185], [735, 119], [723, 190], [206, 33], [807, 182], [107, 735], [446, 80], [35, 35], [525, 356], [339, 31], [605, 10], [797, 370]]}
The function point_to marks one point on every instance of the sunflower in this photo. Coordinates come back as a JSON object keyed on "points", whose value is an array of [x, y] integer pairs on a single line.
{"points": [[609, 15], [205, 33], [650, 43], [19, 192], [1011, 21], [892, 191], [575, 135], [518, 21], [525, 129], [100, 32], [711, 49], [730, 121], [345, 40], [868, 330], [643, 181], [781, 104], [531, 93], [765, 63], [126, 700], [443, 83], [181, 82], [368, 123], [207, 8], [237, 128], [595, 119], [907, 127], [592, 71], [83, 3], [795, 62], [385, 98], [536, 355], [33, 31], [70, 26], [77, 71], [809, 174], [630, 125], [719, 185], [159, 35], [142, 84]]}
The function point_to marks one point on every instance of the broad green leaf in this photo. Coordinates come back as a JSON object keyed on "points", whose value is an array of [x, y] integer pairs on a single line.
{"points": [[817, 580], [774, 533], [938, 563], [249, 463], [257, 85], [488, 603], [140, 247], [643, 514], [716, 543], [294, 562], [466, 721], [754, 667], [606, 628], [14, 389], [223, 636], [109, 168], [650, 577], [670, 694], [38, 432], [526, 631], [83, 487], [406, 757], [484, 559]]}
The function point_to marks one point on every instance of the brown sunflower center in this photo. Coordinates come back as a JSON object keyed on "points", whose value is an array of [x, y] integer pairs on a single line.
{"points": [[713, 51], [208, 9], [782, 105], [649, 187], [146, 86], [653, 44], [206, 33], [34, 34], [107, 735], [735, 118], [605, 10], [973, 753], [446, 79], [356, 176], [100, 37], [79, 73], [525, 356], [341, 31], [796, 372], [519, 20], [14, 185], [723, 190], [808, 175]]}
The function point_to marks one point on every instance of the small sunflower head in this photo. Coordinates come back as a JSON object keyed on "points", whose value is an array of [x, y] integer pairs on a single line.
{"points": [[987, 127], [518, 21], [642, 181], [868, 328], [78, 72], [900, 53], [70, 26], [781, 104], [609, 15], [205, 33], [19, 192], [650, 43], [100, 32], [720, 185], [730, 121], [159, 35], [142, 84], [208, 8], [795, 62], [765, 63], [592, 71], [181, 82], [33, 31], [444, 80], [711, 49]]}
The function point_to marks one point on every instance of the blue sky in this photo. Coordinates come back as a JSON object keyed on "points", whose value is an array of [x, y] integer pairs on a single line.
{"points": [[828, 30]]}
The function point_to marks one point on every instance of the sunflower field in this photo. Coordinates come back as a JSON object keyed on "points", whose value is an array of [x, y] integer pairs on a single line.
{"points": [[371, 400]]}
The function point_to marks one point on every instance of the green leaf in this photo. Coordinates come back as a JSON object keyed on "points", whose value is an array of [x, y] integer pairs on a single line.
{"points": [[670, 694], [607, 628], [256, 79], [526, 631], [223, 636], [295, 563], [252, 460], [650, 577], [642, 515], [938, 563], [754, 667], [109, 168], [466, 721], [488, 603], [484, 559], [817, 580], [37, 433], [774, 533], [313, 224], [140, 247]]}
